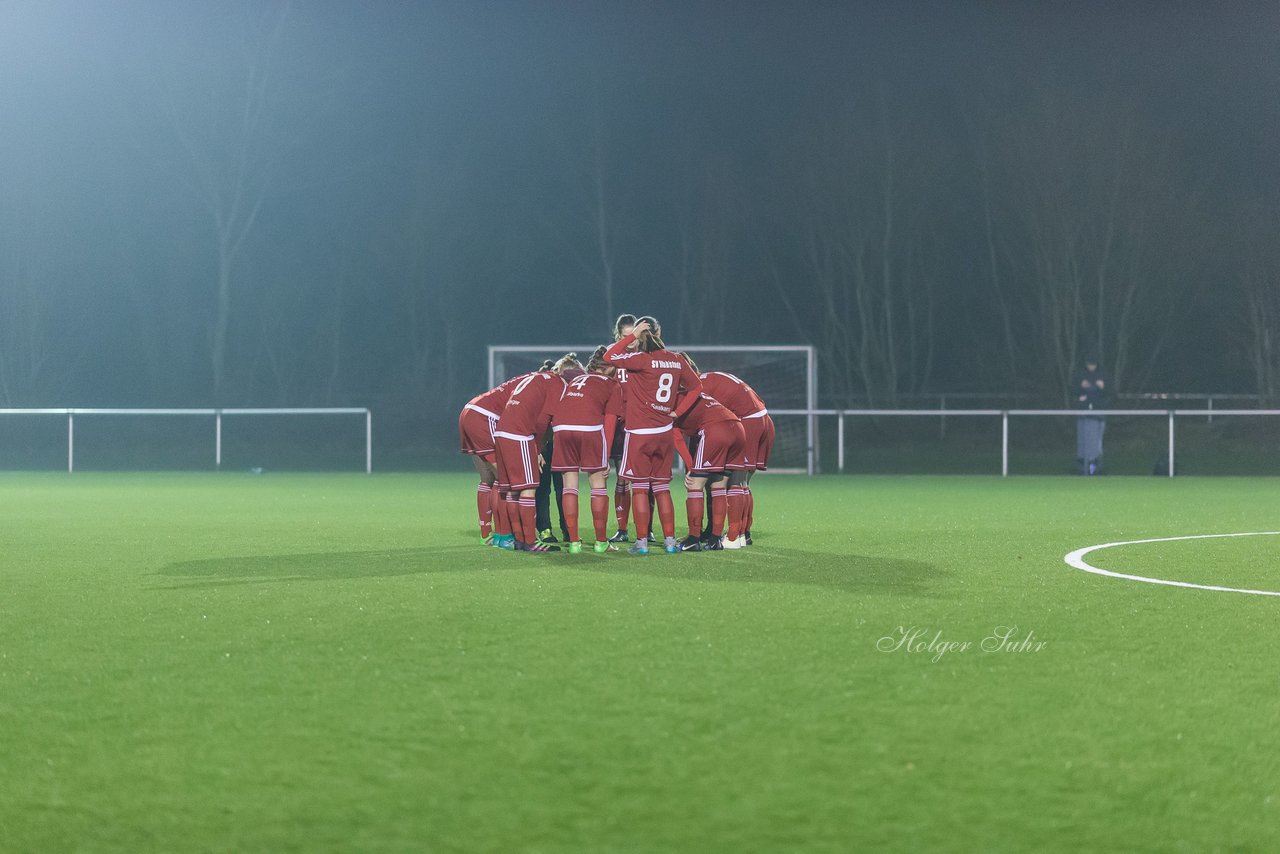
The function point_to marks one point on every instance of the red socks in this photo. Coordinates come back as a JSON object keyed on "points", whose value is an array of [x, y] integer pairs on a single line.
{"points": [[719, 507], [694, 504], [484, 504], [622, 504], [502, 519], [666, 509], [600, 513], [528, 532], [737, 506], [569, 504], [640, 507]]}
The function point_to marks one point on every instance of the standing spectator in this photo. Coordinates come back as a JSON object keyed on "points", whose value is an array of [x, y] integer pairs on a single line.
{"points": [[1090, 390]]}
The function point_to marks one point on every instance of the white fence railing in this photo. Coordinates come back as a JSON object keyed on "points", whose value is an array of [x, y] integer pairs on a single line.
{"points": [[215, 414], [1005, 415], [943, 402], [812, 416], [958, 399]]}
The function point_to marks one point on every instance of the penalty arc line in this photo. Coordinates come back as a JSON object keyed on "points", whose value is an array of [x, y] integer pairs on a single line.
{"points": [[1076, 560]]}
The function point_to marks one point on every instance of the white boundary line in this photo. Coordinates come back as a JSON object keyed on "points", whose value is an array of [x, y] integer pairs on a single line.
{"points": [[1076, 560]]}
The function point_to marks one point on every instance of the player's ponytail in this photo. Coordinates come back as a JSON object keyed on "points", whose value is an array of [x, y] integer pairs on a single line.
{"points": [[596, 364], [566, 362], [547, 365], [651, 340]]}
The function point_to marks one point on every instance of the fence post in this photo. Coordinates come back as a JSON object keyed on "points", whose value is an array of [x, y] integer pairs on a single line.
{"points": [[368, 441], [1170, 443], [217, 440], [71, 442], [840, 441], [1004, 443], [811, 400]]}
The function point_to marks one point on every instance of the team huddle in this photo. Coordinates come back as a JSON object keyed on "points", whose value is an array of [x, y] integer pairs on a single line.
{"points": [[634, 402]]}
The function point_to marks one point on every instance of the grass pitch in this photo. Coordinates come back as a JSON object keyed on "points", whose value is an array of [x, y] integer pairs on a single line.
{"points": [[334, 663]]}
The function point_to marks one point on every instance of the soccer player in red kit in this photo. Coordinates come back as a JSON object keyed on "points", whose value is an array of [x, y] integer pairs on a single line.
{"points": [[622, 327], [654, 378], [518, 435], [709, 439], [475, 429], [742, 400], [584, 421]]}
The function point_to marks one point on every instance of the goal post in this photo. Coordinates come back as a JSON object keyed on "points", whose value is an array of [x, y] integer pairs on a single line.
{"points": [[785, 377]]}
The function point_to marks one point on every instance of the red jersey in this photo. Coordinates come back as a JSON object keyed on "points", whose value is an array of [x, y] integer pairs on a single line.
{"points": [[705, 410], [528, 410], [621, 376], [736, 396], [653, 385], [491, 402], [589, 400]]}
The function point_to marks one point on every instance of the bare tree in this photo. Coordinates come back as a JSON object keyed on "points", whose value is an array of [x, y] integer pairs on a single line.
{"points": [[709, 226], [29, 313], [601, 218], [228, 114], [1260, 287], [433, 305], [862, 211], [588, 232], [1003, 367], [23, 342], [1096, 221]]}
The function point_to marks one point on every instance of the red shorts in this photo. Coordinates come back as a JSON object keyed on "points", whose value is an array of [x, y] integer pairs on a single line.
{"points": [[579, 448], [718, 447], [759, 441], [517, 461], [475, 429], [646, 457]]}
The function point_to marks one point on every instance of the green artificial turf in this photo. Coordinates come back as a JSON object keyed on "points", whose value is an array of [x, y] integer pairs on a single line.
{"points": [[334, 663]]}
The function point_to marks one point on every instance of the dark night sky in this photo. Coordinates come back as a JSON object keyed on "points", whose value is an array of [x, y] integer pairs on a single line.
{"points": [[425, 159]]}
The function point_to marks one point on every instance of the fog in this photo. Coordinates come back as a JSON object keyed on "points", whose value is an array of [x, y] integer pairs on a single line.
{"points": [[329, 203]]}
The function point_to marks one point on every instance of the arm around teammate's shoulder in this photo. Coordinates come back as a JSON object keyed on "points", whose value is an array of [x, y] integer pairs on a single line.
{"points": [[692, 390], [618, 351]]}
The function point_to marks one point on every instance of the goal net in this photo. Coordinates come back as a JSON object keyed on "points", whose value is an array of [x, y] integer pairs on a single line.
{"points": [[784, 376]]}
